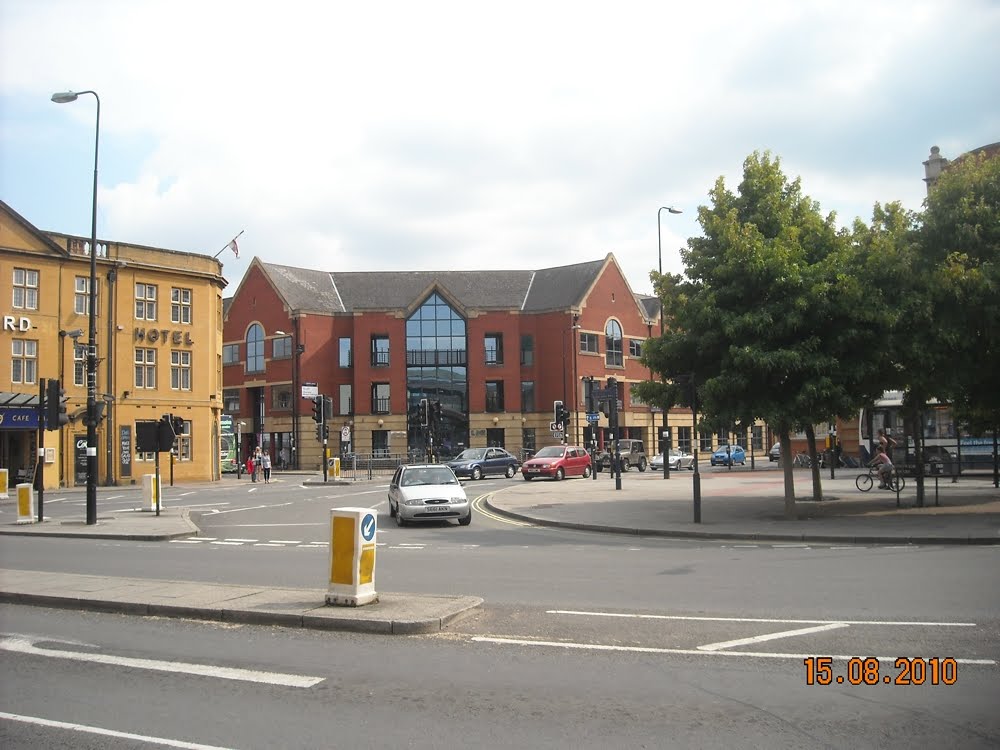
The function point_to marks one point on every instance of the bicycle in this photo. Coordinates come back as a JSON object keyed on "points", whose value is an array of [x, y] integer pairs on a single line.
{"points": [[865, 482]]}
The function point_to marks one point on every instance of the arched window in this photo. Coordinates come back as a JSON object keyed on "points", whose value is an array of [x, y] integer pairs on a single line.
{"points": [[613, 347], [255, 348]]}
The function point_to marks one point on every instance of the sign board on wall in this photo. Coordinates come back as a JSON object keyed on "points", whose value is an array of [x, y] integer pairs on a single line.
{"points": [[125, 442]]}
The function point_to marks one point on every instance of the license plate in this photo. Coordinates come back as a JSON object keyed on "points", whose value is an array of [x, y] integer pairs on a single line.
{"points": [[437, 508]]}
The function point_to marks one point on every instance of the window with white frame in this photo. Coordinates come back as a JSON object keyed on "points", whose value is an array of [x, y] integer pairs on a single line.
{"points": [[145, 301], [613, 344], [183, 442], [81, 295], [180, 306], [145, 368], [634, 348], [25, 289], [79, 365], [180, 370], [230, 354], [24, 361]]}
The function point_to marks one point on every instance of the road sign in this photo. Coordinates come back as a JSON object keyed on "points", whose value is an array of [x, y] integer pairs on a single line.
{"points": [[558, 434], [345, 434], [602, 393], [310, 390], [593, 417], [555, 426], [368, 527]]}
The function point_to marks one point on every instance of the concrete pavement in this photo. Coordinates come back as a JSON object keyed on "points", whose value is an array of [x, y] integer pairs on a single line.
{"points": [[737, 504]]}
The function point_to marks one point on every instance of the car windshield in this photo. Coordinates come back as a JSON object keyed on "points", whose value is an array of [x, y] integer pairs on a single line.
{"points": [[550, 451], [427, 475], [471, 454], [674, 453]]}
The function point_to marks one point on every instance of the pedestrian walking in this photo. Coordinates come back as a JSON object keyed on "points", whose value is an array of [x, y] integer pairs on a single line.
{"points": [[265, 463], [250, 468], [256, 463]]}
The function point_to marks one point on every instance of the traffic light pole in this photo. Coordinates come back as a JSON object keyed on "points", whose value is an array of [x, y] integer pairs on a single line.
{"points": [[40, 465]]}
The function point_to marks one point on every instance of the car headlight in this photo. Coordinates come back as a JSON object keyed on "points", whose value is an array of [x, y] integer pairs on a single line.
{"points": [[459, 499], [413, 501]]}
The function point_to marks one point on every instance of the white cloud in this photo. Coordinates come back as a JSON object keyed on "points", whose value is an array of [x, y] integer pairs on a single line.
{"points": [[447, 135]]}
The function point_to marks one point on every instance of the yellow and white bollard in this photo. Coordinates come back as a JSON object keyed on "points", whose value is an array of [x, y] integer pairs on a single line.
{"points": [[25, 503], [150, 489], [333, 468], [4, 478], [352, 557]]}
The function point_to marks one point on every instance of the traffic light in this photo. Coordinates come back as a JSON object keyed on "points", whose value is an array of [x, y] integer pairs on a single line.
{"points": [[436, 412], [318, 409], [557, 412], [178, 424], [327, 408], [55, 406], [563, 416], [425, 416]]}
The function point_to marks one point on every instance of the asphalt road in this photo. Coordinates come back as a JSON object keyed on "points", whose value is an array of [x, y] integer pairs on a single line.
{"points": [[587, 640]]}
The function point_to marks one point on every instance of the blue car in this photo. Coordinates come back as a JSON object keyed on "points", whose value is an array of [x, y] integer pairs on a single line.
{"points": [[476, 463], [726, 454]]}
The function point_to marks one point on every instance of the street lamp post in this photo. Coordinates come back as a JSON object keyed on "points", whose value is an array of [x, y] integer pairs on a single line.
{"points": [[64, 98], [664, 440]]}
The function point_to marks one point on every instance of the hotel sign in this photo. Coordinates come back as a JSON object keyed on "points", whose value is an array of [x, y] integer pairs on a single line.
{"points": [[164, 336]]}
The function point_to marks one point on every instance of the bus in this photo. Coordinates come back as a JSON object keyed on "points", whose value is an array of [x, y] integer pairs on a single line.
{"points": [[948, 449], [228, 450]]}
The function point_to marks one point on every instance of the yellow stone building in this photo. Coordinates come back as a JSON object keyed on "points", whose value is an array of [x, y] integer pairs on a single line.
{"points": [[159, 351]]}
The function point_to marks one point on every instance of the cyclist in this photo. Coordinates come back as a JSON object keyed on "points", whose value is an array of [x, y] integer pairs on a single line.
{"points": [[884, 464]]}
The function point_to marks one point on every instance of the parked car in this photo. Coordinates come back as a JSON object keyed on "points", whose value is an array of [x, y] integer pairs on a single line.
{"points": [[726, 454], [477, 463], [775, 453], [427, 492], [633, 453], [557, 462]]}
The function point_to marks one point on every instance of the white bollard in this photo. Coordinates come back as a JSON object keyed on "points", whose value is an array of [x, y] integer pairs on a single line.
{"points": [[352, 557], [149, 484], [25, 503]]}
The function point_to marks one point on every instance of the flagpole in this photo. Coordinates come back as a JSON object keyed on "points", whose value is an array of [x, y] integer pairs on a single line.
{"points": [[229, 244]]}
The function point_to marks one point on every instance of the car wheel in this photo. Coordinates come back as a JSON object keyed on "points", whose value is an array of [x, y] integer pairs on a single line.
{"points": [[526, 477], [586, 472], [642, 464], [399, 518], [477, 473], [511, 471], [560, 474], [465, 521], [392, 510]]}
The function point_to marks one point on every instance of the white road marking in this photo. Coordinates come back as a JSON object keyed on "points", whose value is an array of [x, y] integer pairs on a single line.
{"points": [[237, 544], [696, 652], [185, 494], [771, 636], [185, 541], [205, 505], [286, 541], [629, 615], [25, 646], [107, 732], [268, 544], [237, 539], [254, 507]]}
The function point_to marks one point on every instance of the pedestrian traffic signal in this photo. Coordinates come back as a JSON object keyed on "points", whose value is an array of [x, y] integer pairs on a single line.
{"points": [[557, 412], [55, 405], [318, 409], [425, 416]]}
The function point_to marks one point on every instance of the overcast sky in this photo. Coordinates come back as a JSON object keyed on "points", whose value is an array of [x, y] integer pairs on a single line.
{"points": [[469, 135]]}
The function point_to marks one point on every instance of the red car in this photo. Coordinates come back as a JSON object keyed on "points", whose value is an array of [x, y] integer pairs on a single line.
{"points": [[558, 462]]}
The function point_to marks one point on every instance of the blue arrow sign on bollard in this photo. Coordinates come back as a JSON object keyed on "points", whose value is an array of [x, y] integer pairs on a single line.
{"points": [[368, 527]]}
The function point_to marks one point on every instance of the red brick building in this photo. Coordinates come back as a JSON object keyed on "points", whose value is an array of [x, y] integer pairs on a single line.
{"points": [[495, 348]]}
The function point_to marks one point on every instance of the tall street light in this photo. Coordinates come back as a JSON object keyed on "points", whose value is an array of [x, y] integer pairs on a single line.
{"points": [[664, 442], [65, 97]]}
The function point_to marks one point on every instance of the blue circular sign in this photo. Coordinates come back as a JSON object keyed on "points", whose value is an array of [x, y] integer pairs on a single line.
{"points": [[368, 527]]}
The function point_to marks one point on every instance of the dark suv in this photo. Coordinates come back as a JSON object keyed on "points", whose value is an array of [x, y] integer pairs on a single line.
{"points": [[633, 453]]}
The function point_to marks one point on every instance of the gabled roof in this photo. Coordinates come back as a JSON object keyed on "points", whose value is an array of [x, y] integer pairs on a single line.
{"points": [[34, 231], [650, 306], [327, 292]]}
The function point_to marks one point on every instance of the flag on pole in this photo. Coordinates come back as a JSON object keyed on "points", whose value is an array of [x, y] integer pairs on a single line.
{"points": [[235, 248]]}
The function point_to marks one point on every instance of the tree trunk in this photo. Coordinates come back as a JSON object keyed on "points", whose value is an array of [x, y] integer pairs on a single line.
{"points": [[791, 513], [814, 463]]}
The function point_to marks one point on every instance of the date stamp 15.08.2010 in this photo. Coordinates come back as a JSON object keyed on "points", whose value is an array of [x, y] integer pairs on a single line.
{"points": [[871, 671]]}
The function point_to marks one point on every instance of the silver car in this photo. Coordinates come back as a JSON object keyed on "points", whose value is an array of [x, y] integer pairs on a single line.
{"points": [[678, 460], [427, 492]]}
